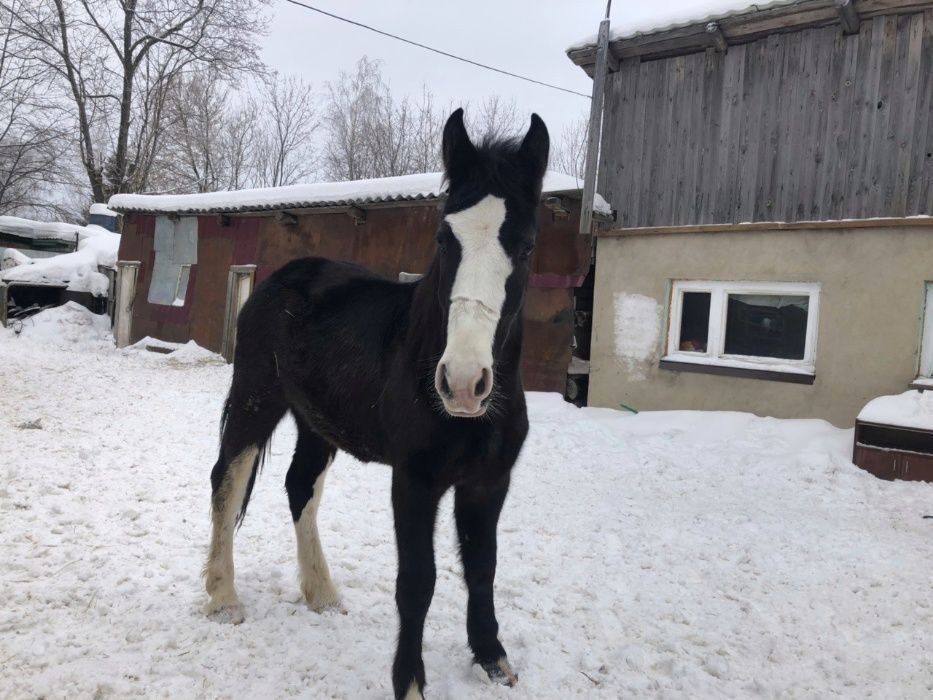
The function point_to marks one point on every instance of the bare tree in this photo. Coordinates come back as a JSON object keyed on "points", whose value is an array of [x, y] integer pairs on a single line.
{"points": [[287, 122], [31, 143], [114, 61], [569, 153], [192, 158], [496, 117], [352, 101]]}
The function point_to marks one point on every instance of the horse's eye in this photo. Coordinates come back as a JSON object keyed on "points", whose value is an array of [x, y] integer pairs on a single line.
{"points": [[525, 252]]}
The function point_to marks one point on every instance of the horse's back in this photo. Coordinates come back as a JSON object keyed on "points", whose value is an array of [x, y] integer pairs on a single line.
{"points": [[324, 332]]}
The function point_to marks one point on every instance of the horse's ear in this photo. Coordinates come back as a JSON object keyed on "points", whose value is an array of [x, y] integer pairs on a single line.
{"points": [[457, 149], [535, 147]]}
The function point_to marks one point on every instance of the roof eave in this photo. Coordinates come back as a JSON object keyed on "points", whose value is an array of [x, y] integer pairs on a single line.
{"points": [[737, 28]]}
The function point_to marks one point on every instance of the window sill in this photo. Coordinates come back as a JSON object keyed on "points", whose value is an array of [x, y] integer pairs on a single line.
{"points": [[726, 370]]}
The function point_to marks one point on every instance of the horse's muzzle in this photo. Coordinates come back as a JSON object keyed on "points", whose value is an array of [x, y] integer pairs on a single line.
{"points": [[464, 388]]}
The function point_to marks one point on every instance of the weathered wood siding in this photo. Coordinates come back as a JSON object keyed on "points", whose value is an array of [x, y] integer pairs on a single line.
{"points": [[806, 125]]}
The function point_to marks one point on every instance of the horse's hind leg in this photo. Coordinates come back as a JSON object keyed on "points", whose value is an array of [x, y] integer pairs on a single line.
{"points": [[305, 485], [250, 421]]}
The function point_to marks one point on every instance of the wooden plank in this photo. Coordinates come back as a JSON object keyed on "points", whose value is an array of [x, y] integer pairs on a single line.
{"points": [[748, 227], [920, 184], [710, 150], [817, 91], [753, 99], [883, 149], [731, 106], [642, 187], [870, 85], [793, 138], [831, 169], [621, 104], [676, 96], [695, 145], [764, 209], [910, 44]]}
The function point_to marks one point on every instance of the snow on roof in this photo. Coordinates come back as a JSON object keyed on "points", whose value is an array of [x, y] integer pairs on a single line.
{"points": [[663, 17], [912, 409], [47, 230], [404, 188], [78, 270], [102, 210]]}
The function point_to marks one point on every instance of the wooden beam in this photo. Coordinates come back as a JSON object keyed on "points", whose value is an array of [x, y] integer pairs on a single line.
{"points": [[719, 39], [759, 226], [559, 208], [847, 15], [358, 215]]}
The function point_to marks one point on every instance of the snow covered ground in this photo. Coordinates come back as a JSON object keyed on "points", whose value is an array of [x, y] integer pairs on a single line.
{"points": [[660, 555]]}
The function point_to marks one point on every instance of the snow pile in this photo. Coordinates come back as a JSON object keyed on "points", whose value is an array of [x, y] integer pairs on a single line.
{"points": [[174, 353], [47, 230], [386, 189], [663, 555], [78, 270], [10, 257], [69, 326], [912, 409], [102, 210], [649, 18]]}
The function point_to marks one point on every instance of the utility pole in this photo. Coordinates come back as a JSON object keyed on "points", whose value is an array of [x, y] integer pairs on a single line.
{"points": [[596, 120]]}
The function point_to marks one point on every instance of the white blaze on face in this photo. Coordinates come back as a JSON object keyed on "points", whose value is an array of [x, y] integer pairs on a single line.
{"points": [[476, 298]]}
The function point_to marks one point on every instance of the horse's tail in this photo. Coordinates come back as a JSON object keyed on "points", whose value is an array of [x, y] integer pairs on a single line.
{"points": [[237, 435]]}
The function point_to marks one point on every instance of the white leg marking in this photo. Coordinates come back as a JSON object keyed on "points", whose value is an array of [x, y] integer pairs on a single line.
{"points": [[314, 575], [224, 604], [413, 692]]}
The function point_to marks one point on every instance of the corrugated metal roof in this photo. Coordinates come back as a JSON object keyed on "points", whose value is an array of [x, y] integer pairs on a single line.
{"points": [[405, 188]]}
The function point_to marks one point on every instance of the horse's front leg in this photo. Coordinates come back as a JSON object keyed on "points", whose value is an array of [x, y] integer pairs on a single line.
{"points": [[415, 506], [477, 507]]}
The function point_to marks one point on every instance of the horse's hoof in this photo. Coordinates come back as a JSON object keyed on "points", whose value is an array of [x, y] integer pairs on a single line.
{"points": [[500, 672], [227, 615], [328, 607]]}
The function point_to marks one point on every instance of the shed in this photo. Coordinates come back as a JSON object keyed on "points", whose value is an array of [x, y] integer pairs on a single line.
{"points": [[772, 168], [188, 262]]}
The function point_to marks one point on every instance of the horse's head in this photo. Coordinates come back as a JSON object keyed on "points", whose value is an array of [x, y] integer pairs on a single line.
{"points": [[485, 242]]}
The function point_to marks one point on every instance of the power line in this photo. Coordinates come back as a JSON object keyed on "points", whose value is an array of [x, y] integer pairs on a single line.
{"points": [[437, 51]]}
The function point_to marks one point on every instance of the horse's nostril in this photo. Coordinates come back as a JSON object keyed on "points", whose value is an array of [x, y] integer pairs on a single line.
{"points": [[482, 386], [445, 387]]}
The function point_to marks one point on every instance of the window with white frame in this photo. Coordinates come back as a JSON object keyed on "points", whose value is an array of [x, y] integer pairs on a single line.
{"points": [[746, 325], [926, 342]]}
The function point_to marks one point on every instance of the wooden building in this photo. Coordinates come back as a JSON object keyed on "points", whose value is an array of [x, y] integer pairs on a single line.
{"points": [[772, 170], [188, 262]]}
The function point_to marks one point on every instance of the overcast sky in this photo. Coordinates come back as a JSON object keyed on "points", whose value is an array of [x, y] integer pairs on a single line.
{"points": [[523, 36]]}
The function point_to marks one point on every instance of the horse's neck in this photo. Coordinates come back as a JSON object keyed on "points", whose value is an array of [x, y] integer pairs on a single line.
{"points": [[426, 337]]}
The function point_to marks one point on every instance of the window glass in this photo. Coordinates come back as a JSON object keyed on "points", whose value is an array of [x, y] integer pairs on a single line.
{"points": [[694, 321], [764, 325], [176, 250]]}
